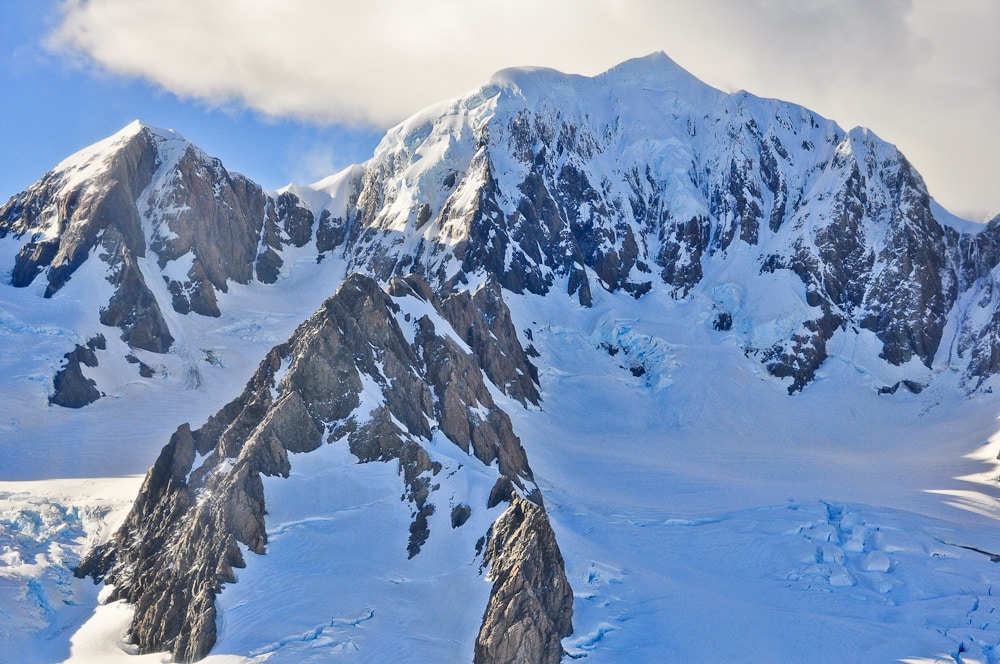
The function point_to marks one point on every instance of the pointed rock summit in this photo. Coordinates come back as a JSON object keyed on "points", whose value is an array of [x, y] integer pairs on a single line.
{"points": [[147, 193], [170, 226]]}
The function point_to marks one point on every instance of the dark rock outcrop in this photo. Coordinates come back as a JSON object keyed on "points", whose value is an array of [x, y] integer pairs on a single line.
{"points": [[531, 604], [204, 495], [483, 321], [70, 388], [134, 309]]}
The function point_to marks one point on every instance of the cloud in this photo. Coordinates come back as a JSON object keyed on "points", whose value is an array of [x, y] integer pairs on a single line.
{"points": [[921, 73]]}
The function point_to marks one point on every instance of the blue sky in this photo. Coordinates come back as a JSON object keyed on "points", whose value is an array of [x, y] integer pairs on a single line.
{"points": [[294, 90], [56, 105]]}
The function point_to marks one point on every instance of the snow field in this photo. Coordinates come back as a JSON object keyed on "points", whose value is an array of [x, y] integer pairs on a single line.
{"points": [[44, 527], [337, 573], [711, 517], [207, 366]]}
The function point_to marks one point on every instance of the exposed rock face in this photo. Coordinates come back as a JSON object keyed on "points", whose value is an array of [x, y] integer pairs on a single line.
{"points": [[71, 389], [147, 196], [484, 323], [65, 214], [644, 177], [134, 309], [204, 495], [531, 605], [976, 314], [483, 320]]}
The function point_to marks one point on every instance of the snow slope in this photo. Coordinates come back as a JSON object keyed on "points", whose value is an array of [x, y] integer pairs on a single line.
{"points": [[210, 362], [706, 516]]}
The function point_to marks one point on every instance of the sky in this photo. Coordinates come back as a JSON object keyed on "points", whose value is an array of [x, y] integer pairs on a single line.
{"points": [[294, 90]]}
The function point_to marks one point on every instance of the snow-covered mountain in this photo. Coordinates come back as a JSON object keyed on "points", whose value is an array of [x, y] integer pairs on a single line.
{"points": [[644, 177], [618, 279], [640, 178], [171, 226]]}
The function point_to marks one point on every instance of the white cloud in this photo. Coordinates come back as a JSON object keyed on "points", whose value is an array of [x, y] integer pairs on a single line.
{"points": [[921, 73]]}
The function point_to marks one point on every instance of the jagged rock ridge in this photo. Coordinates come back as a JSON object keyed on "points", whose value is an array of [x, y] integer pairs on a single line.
{"points": [[72, 388], [204, 495]]}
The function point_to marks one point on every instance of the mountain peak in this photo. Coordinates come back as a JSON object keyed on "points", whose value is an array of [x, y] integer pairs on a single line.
{"points": [[137, 126], [653, 72], [643, 178], [532, 81], [85, 165], [147, 199], [656, 70]]}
